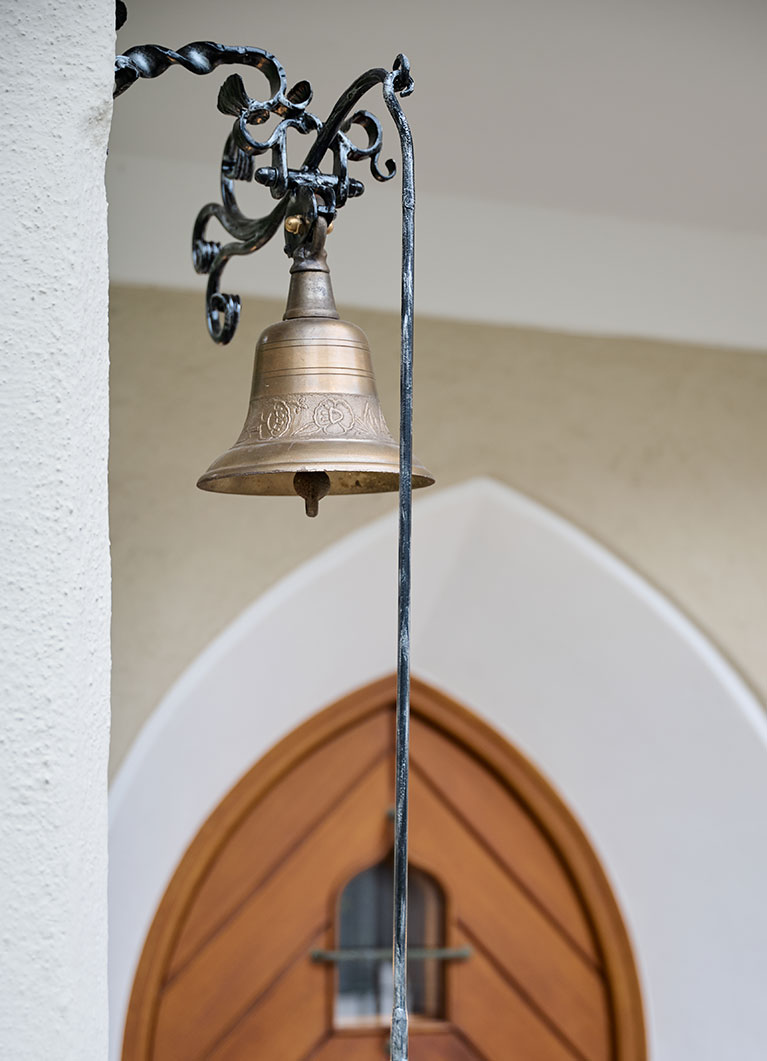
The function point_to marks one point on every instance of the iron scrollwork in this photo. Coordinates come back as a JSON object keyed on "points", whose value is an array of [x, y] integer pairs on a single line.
{"points": [[306, 191]]}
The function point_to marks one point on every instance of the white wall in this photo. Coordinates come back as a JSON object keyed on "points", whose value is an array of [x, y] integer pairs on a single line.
{"points": [[651, 738], [657, 450], [510, 263], [54, 564]]}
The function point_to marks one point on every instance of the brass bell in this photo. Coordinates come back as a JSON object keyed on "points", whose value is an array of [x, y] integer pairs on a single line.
{"points": [[314, 425]]}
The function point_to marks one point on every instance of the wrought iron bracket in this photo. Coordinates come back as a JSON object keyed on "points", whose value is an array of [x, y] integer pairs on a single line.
{"points": [[306, 192]]}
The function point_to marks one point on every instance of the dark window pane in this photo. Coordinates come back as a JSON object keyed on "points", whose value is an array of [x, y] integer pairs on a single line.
{"points": [[365, 920]]}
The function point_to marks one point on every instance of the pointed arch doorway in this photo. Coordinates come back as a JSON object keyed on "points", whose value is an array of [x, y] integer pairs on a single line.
{"points": [[525, 955]]}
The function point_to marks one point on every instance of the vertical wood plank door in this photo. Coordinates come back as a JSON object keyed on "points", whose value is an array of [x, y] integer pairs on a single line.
{"points": [[229, 969]]}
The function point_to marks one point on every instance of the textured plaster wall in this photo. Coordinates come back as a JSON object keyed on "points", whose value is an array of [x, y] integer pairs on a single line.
{"points": [[656, 449], [54, 564]]}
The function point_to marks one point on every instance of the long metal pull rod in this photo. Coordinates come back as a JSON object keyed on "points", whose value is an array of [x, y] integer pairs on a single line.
{"points": [[399, 1020]]}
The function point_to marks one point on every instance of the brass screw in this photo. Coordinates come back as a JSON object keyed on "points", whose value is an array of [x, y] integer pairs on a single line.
{"points": [[294, 225]]}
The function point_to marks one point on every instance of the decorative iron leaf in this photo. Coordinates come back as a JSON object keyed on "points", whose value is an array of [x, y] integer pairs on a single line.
{"points": [[232, 97]]}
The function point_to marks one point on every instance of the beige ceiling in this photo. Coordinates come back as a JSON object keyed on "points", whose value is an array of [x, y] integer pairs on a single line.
{"points": [[582, 165], [651, 110]]}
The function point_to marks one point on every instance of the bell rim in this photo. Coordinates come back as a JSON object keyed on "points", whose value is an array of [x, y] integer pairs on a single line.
{"points": [[277, 478]]}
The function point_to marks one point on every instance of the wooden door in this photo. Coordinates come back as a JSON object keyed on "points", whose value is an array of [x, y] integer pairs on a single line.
{"points": [[227, 970]]}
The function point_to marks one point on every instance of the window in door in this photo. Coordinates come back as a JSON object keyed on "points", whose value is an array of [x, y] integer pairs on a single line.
{"points": [[364, 982]]}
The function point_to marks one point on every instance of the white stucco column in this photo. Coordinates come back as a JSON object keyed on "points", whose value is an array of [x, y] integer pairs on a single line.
{"points": [[56, 61]]}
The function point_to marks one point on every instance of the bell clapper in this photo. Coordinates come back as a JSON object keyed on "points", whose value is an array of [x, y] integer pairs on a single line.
{"points": [[312, 487]]}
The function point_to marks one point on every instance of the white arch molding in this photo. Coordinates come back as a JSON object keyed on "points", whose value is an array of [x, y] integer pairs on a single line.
{"points": [[649, 735]]}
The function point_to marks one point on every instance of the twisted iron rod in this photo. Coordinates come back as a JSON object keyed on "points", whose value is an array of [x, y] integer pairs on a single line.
{"points": [[399, 1020]]}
